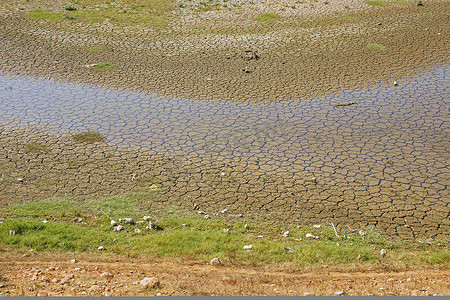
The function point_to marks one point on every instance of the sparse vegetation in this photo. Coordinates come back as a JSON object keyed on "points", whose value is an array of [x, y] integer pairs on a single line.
{"points": [[89, 137]]}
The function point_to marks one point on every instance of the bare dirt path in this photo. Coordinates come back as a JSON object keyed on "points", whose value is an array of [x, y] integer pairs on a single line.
{"points": [[29, 274]]}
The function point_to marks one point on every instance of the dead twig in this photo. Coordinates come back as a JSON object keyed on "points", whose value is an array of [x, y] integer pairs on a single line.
{"points": [[335, 231]]}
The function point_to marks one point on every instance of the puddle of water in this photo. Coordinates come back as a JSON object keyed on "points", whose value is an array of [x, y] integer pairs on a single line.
{"points": [[390, 133]]}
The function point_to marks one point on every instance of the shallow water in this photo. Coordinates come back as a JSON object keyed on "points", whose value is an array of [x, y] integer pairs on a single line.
{"points": [[390, 135]]}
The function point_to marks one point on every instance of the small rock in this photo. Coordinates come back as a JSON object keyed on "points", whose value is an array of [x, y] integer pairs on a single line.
{"points": [[45, 221], [100, 248], [113, 223], [153, 225], [245, 226], [383, 253], [226, 230], [42, 294], [107, 275], [20, 179], [362, 232], [316, 226], [74, 260], [137, 230], [247, 247], [215, 261], [339, 293], [149, 282], [222, 174], [12, 232], [288, 250], [224, 211], [207, 217], [395, 83], [118, 228], [77, 220], [309, 235], [146, 218], [127, 221], [308, 294], [285, 233]]}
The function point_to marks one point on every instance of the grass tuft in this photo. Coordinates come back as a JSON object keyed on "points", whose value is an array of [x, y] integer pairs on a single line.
{"points": [[102, 67], [88, 137], [36, 148], [266, 17], [377, 3], [376, 47]]}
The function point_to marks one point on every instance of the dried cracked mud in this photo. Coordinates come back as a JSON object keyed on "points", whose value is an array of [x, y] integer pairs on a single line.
{"points": [[188, 109]]}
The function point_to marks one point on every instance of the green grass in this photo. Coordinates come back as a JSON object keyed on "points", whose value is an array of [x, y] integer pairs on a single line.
{"points": [[266, 17], [378, 3], [376, 47], [88, 137], [187, 235], [40, 14], [139, 12]]}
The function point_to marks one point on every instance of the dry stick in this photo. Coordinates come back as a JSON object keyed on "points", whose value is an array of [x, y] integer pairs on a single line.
{"points": [[353, 230], [335, 231]]}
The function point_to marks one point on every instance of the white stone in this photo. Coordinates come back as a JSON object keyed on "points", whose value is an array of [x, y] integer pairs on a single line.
{"points": [[247, 247], [215, 261], [149, 282], [118, 228]]}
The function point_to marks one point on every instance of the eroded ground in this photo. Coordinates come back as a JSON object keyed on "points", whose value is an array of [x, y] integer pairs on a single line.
{"points": [[37, 165]]}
